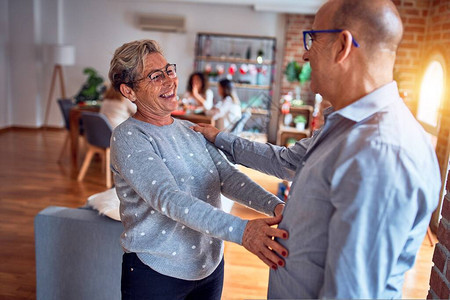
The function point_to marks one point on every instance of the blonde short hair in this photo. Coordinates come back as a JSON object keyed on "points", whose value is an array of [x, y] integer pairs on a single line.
{"points": [[128, 61]]}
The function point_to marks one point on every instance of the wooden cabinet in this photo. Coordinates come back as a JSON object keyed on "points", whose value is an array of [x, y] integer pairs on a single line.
{"points": [[249, 61], [288, 130]]}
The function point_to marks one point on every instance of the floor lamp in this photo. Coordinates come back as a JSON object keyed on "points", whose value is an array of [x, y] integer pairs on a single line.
{"points": [[59, 55]]}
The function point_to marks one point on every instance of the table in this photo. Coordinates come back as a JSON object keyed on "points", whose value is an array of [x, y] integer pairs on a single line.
{"points": [[195, 118], [74, 121]]}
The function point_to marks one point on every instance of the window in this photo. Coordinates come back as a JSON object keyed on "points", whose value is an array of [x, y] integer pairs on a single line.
{"points": [[431, 95]]}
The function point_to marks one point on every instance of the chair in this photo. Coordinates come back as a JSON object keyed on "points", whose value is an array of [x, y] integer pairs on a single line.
{"points": [[65, 105], [98, 133], [238, 127]]}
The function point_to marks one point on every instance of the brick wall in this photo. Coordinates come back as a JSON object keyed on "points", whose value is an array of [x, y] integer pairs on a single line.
{"points": [[414, 14], [440, 272], [438, 38], [293, 50]]}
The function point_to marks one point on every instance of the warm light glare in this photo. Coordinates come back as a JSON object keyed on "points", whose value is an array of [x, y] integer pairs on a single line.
{"points": [[431, 94]]}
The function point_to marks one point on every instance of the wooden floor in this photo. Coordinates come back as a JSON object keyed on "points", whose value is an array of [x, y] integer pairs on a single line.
{"points": [[31, 179]]}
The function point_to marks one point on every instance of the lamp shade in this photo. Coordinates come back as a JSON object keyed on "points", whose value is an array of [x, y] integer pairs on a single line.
{"points": [[62, 55]]}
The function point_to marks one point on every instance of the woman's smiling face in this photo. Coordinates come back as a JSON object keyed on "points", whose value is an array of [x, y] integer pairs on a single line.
{"points": [[156, 98]]}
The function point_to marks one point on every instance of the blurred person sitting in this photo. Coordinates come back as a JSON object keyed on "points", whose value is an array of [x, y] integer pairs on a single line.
{"points": [[198, 93], [228, 110], [116, 108]]}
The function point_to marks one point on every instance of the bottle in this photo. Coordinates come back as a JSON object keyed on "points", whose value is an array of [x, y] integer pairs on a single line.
{"points": [[248, 55], [207, 47]]}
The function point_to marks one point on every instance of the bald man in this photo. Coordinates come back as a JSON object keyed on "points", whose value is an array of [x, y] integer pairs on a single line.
{"points": [[364, 185]]}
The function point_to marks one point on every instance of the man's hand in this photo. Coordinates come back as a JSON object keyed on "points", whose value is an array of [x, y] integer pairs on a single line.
{"points": [[278, 211], [210, 132], [258, 240]]}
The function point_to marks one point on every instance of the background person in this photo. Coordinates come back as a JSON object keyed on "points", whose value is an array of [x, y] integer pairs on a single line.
{"points": [[169, 180], [365, 185], [228, 110], [116, 108], [198, 93]]}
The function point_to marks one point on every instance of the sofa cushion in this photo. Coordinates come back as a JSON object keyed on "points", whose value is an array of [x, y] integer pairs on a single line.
{"points": [[78, 254]]}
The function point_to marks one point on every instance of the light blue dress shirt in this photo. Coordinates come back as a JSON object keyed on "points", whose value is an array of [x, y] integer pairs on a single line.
{"points": [[363, 190]]}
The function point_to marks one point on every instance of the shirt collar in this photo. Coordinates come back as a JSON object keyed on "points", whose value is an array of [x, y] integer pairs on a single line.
{"points": [[371, 103]]}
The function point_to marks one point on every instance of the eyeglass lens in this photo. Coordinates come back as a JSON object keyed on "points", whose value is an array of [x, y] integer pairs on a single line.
{"points": [[158, 76], [309, 40]]}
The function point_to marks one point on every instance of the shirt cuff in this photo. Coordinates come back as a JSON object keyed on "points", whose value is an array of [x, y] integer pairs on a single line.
{"points": [[224, 141]]}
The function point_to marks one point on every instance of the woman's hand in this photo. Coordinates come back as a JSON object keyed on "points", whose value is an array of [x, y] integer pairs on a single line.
{"points": [[195, 91], [196, 85], [258, 240], [210, 132]]}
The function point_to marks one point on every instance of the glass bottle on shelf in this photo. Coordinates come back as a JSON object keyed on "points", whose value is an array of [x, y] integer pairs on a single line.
{"points": [[248, 54], [207, 47], [260, 54], [232, 50]]}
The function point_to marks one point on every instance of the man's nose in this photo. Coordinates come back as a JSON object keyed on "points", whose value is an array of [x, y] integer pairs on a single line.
{"points": [[306, 56]]}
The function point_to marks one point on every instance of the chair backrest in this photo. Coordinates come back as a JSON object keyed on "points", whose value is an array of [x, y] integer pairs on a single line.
{"points": [[96, 129], [239, 125], [65, 105]]}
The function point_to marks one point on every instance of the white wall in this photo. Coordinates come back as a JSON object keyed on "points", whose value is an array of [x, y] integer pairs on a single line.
{"points": [[23, 58], [48, 30], [97, 28]]}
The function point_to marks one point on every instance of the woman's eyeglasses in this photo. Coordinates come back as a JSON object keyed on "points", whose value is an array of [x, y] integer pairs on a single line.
{"points": [[158, 76]]}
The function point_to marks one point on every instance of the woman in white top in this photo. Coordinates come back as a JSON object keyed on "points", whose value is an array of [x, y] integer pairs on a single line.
{"points": [[228, 110], [116, 108], [197, 92]]}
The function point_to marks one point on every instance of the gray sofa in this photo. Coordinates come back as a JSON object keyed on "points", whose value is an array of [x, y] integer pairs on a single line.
{"points": [[78, 255]]}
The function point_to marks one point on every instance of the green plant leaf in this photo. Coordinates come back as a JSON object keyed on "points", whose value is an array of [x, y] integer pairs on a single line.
{"points": [[292, 71], [300, 119], [93, 88], [305, 73]]}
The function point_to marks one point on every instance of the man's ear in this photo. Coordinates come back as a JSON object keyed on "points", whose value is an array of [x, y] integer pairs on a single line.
{"points": [[344, 45], [127, 92]]}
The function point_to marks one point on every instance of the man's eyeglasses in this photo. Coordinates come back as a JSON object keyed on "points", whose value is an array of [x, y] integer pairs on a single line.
{"points": [[308, 37], [158, 76]]}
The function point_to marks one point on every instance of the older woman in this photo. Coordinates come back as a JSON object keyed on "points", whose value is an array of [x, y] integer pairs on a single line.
{"points": [[169, 180]]}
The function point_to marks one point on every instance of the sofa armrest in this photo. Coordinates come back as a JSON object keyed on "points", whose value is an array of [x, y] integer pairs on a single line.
{"points": [[78, 254]]}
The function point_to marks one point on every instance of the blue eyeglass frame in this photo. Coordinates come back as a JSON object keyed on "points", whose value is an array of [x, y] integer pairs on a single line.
{"points": [[311, 32]]}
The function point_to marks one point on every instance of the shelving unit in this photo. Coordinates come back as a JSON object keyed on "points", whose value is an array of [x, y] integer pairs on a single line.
{"points": [[289, 131], [254, 60], [233, 60], [245, 86]]}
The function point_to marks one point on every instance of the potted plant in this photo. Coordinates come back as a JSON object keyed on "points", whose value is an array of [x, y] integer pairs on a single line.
{"points": [[92, 89], [296, 73], [300, 122]]}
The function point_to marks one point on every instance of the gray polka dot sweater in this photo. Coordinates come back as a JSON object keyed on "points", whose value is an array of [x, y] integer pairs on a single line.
{"points": [[169, 180]]}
